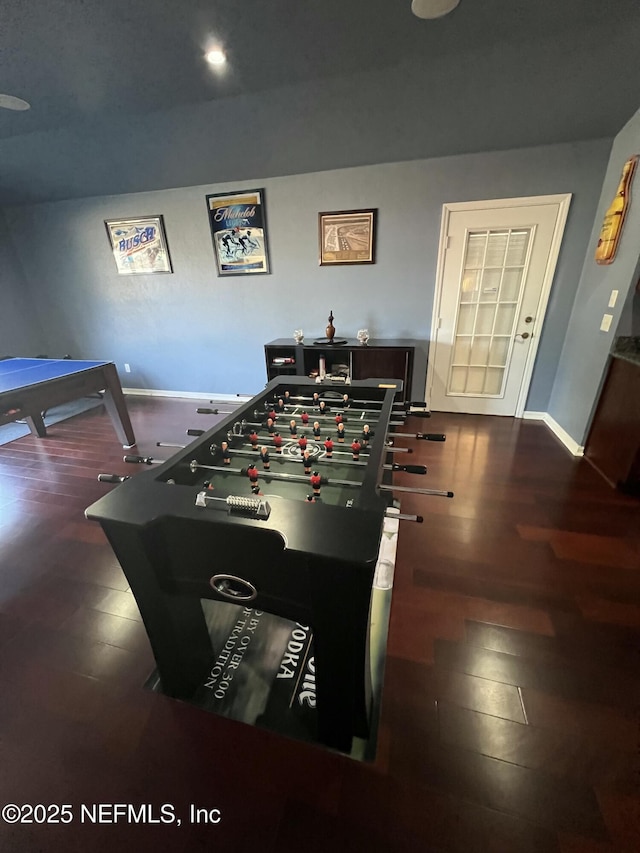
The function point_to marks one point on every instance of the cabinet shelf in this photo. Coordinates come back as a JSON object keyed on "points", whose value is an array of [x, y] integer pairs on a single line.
{"points": [[379, 359]]}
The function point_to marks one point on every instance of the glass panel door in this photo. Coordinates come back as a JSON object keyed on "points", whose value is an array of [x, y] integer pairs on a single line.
{"points": [[491, 285]]}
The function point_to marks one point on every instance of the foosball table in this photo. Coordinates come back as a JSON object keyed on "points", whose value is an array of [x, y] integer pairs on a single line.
{"points": [[279, 507]]}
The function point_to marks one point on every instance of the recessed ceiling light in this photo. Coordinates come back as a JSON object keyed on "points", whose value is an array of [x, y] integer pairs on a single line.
{"points": [[10, 102], [430, 9], [216, 56]]}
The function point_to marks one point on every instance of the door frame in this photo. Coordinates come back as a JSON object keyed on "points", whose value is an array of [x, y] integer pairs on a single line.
{"points": [[563, 200]]}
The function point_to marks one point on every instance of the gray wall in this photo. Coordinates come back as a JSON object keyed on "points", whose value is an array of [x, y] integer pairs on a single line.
{"points": [[21, 332], [585, 353], [193, 331]]}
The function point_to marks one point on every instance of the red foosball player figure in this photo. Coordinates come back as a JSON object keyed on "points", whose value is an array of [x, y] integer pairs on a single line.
{"points": [[293, 429], [306, 461], [316, 481], [341, 433], [264, 456], [316, 429], [367, 435], [252, 474], [253, 438], [355, 449], [271, 426], [339, 418], [273, 415], [311, 499], [277, 442], [304, 417], [226, 453], [328, 446], [302, 442]]}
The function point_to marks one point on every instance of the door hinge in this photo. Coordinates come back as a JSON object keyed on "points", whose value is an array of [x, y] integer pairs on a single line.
{"points": [[448, 242]]}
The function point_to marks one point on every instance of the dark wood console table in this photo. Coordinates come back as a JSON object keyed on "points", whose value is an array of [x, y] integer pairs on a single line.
{"points": [[381, 358]]}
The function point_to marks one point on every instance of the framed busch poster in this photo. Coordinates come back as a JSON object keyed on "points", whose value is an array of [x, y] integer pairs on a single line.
{"points": [[139, 245], [239, 232]]}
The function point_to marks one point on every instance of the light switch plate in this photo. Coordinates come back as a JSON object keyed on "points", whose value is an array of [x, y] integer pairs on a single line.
{"points": [[606, 322]]}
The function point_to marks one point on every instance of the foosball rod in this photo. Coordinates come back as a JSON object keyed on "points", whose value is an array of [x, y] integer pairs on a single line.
{"points": [[345, 416], [150, 461], [409, 469], [423, 436], [328, 411], [322, 419], [314, 443], [419, 404], [302, 478]]}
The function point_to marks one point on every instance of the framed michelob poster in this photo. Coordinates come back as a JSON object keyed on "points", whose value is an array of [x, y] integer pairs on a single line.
{"points": [[139, 245], [239, 232]]}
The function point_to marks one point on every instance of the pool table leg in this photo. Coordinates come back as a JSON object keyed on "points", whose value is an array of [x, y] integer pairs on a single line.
{"points": [[36, 425], [116, 407]]}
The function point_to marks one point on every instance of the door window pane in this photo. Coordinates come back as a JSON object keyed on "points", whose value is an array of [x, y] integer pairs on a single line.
{"points": [[480, 351], [518, 248], [490, 285], [498, 351], [462, 350], [496, 248], [493, 381], [470, 285], [511, 282]]}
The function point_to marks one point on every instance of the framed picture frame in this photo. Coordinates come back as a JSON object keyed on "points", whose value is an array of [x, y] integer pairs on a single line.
{"points": [[239, 232], [347, 237], [139, 245]]}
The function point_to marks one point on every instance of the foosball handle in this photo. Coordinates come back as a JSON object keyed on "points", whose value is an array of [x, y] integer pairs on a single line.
{"points": [[411, 469], [112, 478], [205, 411], [139, 460], [421, 407], [195, 432], [432, 436]]}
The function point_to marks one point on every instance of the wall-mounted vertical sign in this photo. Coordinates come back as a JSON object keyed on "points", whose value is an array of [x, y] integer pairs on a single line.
{"points": [[611, 230], [239, 232]]}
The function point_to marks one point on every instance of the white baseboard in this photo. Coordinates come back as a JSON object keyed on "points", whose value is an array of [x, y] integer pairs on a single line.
{"points": [[572, 446], [188, 395]]}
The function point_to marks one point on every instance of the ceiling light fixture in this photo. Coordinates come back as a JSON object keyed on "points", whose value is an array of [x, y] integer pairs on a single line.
{"points": [[216, 56], [430, 9], [10, 102]]}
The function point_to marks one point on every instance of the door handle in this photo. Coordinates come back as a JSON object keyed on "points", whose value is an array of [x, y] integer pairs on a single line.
{"points": [[523, 335]]}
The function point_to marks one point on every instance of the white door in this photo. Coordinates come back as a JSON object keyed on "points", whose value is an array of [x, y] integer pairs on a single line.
{"points": [[495, 270]]}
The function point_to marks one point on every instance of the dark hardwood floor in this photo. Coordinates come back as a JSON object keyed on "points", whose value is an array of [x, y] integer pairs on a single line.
{"points": [[511, 707]]}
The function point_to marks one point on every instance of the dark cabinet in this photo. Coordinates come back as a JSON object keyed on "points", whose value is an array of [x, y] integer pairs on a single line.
{"points": [[613, 444], [379, 359]]}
